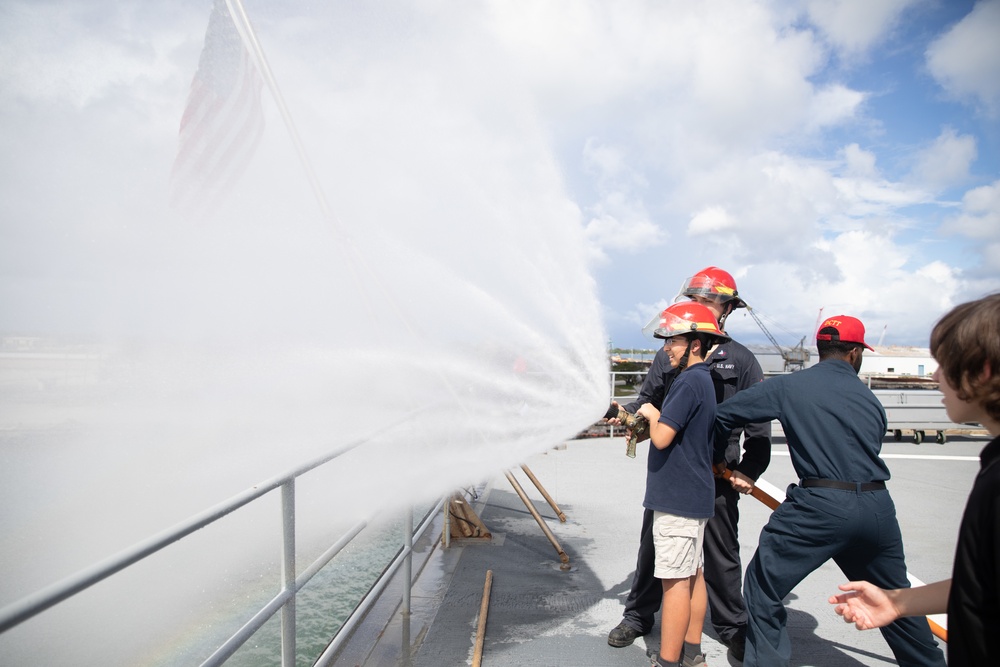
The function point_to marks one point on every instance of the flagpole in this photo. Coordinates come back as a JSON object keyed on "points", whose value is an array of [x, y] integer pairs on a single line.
{"points": [[249, 37]]}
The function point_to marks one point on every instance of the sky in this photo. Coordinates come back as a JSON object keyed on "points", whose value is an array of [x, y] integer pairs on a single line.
{"points": [[840, 156], [835, 157]]}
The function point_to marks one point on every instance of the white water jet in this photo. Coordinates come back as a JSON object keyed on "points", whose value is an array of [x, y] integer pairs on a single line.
{"points": [[450, 281]]}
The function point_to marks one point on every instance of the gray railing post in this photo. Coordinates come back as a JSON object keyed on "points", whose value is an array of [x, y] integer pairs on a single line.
{"points": [[407, 583], [408, 565], [614, 379], [288, 573], [446, 528]]}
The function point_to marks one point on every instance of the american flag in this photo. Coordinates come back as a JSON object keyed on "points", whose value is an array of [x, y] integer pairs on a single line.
{"points": [[222, 122]]}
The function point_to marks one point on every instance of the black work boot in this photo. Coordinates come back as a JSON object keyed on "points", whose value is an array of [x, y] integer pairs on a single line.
{"points": [[623, 635], [737, 644]]}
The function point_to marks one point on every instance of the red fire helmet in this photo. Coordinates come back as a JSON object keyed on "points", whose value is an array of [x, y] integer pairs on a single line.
{"points": [[715, 283], [687, 317]]}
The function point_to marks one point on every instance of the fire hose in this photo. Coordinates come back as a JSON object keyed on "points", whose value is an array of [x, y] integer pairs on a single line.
{"points": [[763, 496], [638, 428]]}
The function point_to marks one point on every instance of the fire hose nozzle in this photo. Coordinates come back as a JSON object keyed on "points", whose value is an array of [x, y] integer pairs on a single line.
{"points": [[637, 425]]}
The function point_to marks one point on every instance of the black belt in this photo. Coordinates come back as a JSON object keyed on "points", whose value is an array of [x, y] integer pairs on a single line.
{"points": [[844, 486]]}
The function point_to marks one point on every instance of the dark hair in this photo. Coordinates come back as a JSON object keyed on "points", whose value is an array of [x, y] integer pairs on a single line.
{"points": [[834, 348], [965, 343], [707, 340]]}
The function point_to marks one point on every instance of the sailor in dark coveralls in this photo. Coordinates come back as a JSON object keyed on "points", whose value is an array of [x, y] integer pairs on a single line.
{"points": [[966, 346], [840, 509]]}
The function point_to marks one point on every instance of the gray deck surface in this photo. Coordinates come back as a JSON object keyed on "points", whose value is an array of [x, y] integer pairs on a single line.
{"points": [[540, 615]]}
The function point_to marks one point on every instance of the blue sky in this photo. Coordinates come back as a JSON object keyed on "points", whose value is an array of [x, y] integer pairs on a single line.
{"points": [[835, 155]]}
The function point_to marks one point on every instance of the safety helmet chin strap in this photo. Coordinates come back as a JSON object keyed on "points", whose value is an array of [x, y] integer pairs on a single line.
{"points": [[726, 312], [682, 364]]}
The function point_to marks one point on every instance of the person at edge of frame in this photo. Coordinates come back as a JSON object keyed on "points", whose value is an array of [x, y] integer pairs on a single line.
{"points": [[840, 509], [734, 368], [966, 345]]}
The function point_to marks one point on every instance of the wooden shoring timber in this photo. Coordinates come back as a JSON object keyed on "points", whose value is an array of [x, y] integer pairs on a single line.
{"points": [[545, 494], [464, 522], [484, 606], [564, 559]]}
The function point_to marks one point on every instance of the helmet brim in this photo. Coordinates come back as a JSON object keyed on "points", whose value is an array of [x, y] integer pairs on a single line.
{"points": [[717, 338]]}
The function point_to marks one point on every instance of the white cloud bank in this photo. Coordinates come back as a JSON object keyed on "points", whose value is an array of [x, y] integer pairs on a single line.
{"points": [[966, 59], [852, 27], [725, 112]]}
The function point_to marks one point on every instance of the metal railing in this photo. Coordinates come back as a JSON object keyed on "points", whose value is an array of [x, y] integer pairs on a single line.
{"points": [[405, 560], [291, 582]]}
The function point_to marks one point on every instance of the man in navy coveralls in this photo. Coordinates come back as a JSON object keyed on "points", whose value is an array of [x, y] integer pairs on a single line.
{"points": [[840, 508], [965, 345]]}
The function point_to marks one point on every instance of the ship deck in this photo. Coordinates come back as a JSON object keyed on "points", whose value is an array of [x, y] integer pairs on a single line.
{"points": [[539, 614]]}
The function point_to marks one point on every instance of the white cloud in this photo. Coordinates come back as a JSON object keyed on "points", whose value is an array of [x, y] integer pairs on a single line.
{"points": [[874, 197], [965, 61], [777, 204], [853, 26], [991, 261], [630, 233], [862, 191], [946, 161], [832, 105], [874, 279], [722, 72], [610, 166], [58, 53], [711, 220], [980, 217], [858, 162], [619, 219], [979, 221]]}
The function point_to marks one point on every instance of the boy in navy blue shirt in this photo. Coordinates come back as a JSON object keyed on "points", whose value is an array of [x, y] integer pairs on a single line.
{"points": [[680, 487]]}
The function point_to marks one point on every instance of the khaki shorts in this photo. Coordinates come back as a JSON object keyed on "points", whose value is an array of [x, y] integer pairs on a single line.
{"points": [[677, 541]]}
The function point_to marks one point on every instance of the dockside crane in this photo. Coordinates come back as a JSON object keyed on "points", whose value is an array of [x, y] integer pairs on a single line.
{"points": [[795, 358]]}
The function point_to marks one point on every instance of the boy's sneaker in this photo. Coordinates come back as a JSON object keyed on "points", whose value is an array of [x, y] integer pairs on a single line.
{"points": [[623, 635], [697, 661]]}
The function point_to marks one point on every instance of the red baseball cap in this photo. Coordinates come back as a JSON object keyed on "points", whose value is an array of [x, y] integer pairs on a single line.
{"points": [[849, 330]]}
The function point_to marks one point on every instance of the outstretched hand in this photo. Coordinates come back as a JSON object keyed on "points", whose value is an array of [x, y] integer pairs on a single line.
{"points": [[865, 605], [741, 483], [651, 414]]}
